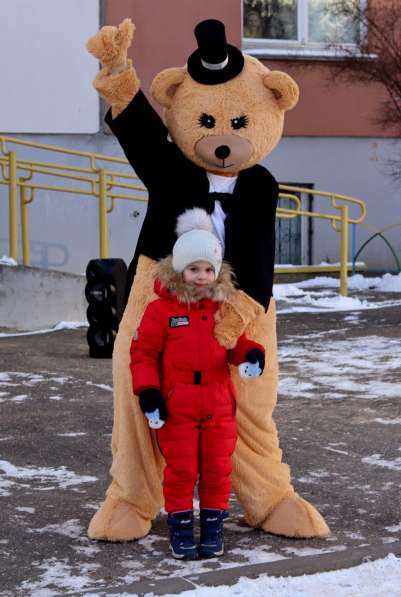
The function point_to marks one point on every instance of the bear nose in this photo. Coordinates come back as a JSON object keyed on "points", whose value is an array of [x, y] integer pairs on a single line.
{"points": [[222, 152]]}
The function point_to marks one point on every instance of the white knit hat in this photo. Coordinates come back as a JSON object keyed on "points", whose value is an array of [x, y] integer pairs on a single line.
{"points": [[196, 241]]}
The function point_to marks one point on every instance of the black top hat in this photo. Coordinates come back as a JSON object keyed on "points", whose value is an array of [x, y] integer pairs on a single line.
{"points": [[215, 61]]}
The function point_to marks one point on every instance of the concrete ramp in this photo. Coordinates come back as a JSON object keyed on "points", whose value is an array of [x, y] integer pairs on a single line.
{"points": [[33, 298]]}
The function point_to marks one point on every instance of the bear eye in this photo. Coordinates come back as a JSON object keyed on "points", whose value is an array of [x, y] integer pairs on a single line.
{"points": [[207, 121], [240, 122]]}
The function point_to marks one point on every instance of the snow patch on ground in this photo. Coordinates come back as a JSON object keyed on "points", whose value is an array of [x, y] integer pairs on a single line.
{"points": [[20, 398], [291, 385], [70, 528], [232, 526], [89, 551], [282, 292], [72, 434], [329, 375], [389, 539], [5, 485], [5, 260], [313, 477], [61, 380], [330, 303], [386, 283], [257, 556], [102, 386], [301, 298], [60, 477], [61, 325], [377, 460], [91, 506], [312, 551], [394, 529], [58, 574], [16, 379], [353, 535], [330, 449], [6, 378], [372, 579]]}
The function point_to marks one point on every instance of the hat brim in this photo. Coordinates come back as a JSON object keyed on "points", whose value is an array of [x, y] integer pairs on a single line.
{"points": [[206, 76]]}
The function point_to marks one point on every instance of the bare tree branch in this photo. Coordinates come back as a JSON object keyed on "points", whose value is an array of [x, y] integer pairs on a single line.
{"points": [[378, 57]]}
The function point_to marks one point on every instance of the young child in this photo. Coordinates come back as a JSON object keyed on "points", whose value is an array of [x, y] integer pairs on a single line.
{"points": [[181, 375]]}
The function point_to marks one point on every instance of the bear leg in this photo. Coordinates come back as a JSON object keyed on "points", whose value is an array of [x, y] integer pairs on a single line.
{"points": [[295, 517], [118, 520], [261, 481], [134, 497]]}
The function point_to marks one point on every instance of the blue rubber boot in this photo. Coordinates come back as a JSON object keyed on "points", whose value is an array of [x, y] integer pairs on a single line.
{"points": [[212, 534], [182, 542]]}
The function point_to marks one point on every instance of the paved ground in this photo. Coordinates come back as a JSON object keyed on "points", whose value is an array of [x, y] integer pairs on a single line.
{"points": [[339, 418]]}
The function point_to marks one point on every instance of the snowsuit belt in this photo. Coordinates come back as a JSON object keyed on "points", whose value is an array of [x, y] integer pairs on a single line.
{"points": [[198, 378]]}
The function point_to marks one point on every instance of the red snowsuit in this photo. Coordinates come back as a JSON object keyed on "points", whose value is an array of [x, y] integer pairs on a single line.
{"points": [[175, 350]]}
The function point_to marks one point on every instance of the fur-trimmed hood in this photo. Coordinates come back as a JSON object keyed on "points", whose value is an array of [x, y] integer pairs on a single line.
{"points": [[169, 282]]}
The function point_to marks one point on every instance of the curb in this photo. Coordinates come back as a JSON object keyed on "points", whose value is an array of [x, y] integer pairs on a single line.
{"points": [[287, 567]]}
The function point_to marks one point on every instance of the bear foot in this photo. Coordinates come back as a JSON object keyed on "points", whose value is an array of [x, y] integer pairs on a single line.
{"points": [[295, 517], [117, 520]]}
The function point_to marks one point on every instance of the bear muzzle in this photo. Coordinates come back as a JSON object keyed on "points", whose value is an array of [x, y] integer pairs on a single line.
{"points": [[227, 153]]}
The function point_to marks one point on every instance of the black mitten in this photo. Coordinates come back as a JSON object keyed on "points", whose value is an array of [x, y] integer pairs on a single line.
{"points": [[255, 355], [151, 399]]}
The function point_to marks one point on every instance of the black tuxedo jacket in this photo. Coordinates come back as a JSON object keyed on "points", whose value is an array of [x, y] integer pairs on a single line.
{"points": [[175, 184]]}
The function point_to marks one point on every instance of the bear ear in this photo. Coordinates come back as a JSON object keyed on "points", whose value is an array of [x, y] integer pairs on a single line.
{"points": [[283, 87], [165, 84]]}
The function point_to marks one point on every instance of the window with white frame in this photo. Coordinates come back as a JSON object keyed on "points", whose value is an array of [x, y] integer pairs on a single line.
{"points": [[297, 24]]}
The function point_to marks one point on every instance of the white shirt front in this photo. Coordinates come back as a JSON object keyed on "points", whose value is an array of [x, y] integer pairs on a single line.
{"points": [[220, 184]]}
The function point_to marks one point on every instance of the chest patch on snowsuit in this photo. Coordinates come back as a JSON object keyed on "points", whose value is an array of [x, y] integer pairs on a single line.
{"points": [[178, 321]]}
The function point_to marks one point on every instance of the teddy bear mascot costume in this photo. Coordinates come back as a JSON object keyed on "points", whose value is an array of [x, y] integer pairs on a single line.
{"points": [[223, 113]]}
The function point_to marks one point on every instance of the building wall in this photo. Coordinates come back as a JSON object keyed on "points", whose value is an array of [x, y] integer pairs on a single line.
{"points": [[45, 68], [328, 109]]}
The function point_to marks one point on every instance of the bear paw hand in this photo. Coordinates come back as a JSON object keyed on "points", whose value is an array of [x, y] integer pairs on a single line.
{"points": [[229, 326], [110, 44]]}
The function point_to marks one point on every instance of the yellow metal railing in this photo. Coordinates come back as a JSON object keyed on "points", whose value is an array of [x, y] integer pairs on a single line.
{"points": [[96, 178], [339, 221]]}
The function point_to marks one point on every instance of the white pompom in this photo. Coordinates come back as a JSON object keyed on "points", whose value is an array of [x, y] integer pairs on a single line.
{"points": [[193, 219]]}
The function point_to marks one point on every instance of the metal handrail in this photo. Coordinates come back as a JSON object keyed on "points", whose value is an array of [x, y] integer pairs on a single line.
{"points": [[334, 197], [107, 184], [56, 149]]}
